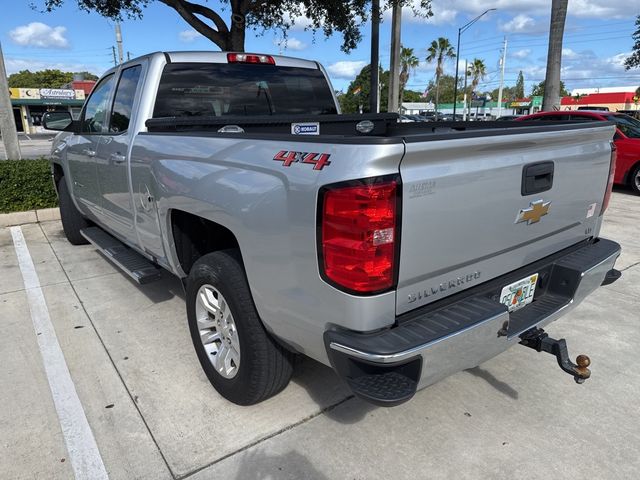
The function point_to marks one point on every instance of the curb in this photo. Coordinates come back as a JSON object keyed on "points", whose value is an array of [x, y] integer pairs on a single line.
{"points": [[30, 216]]}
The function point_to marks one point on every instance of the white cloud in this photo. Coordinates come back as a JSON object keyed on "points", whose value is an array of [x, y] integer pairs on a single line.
{"points": [[37, 34], [15, 65], [521, 54], [346, 69], [188, 36], [568, 54], [442, 13], [521, 23], [290, 43]]}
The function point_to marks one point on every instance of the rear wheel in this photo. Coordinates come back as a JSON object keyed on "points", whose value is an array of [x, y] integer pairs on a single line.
{"points": [[635, 180], [72, 219], [241, 360]]}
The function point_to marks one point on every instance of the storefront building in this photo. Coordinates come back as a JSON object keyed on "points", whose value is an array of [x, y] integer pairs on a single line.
{"points": [[526, 106], [613, 101], [29, 104]]}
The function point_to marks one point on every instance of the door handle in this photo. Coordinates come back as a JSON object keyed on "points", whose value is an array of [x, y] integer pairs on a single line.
{"points": [[89, 153], [537, 177], [118, 158]]}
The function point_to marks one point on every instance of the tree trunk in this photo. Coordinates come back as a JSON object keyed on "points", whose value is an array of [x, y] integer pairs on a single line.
{"points": [[235, 42], [554, 56], [437, 95]]}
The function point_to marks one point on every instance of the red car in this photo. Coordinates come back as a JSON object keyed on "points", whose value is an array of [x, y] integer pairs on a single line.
{"points": [[627, 139]]}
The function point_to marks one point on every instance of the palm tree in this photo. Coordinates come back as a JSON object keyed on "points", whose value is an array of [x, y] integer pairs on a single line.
{"points": [[440, 50], [554, 56], [477, 71], [408, 63]]}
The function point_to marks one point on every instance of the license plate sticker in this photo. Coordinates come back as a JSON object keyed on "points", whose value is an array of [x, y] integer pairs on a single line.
{"points": [[519, 294]]}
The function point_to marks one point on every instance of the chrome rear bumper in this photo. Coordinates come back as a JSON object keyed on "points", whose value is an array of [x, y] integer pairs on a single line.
{"points": [[388, 366]]}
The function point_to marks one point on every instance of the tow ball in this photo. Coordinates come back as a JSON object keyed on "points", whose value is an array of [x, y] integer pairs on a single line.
{"points": [[540, 341]]}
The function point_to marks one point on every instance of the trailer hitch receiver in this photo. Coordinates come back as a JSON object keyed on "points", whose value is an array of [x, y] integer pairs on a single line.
{"points": [[540, 341]]}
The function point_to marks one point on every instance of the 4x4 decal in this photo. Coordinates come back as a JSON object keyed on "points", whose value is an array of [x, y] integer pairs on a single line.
{"points": [[318, 160]]}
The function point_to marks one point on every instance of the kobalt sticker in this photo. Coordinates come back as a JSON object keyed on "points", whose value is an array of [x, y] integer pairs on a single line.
{"points": [[311, 128]]}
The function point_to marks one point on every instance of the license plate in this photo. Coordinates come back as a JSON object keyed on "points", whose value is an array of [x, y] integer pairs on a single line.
{"points": [[520, 293]]}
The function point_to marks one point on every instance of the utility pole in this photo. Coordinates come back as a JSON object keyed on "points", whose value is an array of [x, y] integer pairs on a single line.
{"points": [[128, 56], [115, 61], [466, 71], [119, 42], [394, 69], [7, 122], [375, 56], [502, 64]]}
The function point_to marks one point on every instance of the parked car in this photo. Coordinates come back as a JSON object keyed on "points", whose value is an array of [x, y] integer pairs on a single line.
{"points": [[593, 108], [449, 117], [394, 253], [627, 139], [508, 117], [632, 113], [480, 116]]}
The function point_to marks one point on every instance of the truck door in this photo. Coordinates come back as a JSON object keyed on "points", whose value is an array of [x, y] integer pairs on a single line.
{"points": [[83, 148], [113, 154]]}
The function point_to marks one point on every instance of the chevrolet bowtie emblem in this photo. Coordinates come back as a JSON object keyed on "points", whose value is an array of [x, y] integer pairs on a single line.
{"points": [[534, 213]]}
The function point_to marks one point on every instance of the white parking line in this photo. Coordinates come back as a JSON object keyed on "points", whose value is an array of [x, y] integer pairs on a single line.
{"points": [[81, 445]]}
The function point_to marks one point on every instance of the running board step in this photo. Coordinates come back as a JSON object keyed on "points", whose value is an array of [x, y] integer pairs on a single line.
{"points": [[131, 262]]}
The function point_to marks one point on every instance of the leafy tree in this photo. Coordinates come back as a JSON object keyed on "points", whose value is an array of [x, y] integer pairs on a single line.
{"points": [[477, 70], [87, 75], [44, 78], [439, 51], [538, 90], [519, 88], [446, 89], [554, 57], [509, 94], [327, 16], [634, 60], [359, 90], [408, 63], [413, 96]]}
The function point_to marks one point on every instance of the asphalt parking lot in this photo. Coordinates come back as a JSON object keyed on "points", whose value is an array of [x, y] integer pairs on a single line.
{"points": [[32, 146], [154, 415]]}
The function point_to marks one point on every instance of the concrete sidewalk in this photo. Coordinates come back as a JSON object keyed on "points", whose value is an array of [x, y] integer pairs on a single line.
{"points": [[154, 414]]}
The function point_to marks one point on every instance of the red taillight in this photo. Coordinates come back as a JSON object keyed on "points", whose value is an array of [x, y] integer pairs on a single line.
{"points": [[359, 235], [612, 173], [250, 58]]}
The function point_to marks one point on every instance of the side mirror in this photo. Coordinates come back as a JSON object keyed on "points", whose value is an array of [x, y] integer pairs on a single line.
{"points": [[59, 121]]}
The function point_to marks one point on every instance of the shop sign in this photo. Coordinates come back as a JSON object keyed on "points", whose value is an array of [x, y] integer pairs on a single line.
{"points": [[57, 93]]}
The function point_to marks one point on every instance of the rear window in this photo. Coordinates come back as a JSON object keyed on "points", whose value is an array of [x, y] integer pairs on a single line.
{"points": [[219, 89], [629, 126]]}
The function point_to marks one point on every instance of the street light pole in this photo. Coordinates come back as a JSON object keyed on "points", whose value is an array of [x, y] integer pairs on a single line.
{"points": [[461, 30], [375, 56]]}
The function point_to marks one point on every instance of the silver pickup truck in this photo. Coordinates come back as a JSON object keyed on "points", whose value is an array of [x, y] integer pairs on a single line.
{"points": [[396, 253]]}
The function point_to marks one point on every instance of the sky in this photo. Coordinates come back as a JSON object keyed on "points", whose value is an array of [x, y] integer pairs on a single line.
{"points": [[597, 40]]}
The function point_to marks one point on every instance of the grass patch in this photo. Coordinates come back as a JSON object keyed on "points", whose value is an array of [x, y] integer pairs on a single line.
{"points": [[26, 185]]}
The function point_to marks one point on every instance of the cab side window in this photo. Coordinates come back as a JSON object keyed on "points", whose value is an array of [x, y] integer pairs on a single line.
{"points": [[95, 111], [123, 101]]}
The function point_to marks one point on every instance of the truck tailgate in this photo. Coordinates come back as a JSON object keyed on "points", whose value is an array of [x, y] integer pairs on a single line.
{"points": [[462, 199]]}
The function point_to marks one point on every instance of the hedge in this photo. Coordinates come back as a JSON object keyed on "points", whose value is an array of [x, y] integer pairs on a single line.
{"points": [[26, 185]]}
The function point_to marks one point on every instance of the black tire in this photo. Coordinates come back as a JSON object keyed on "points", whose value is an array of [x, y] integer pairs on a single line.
{"points": [[265, 367], [72, 219], [634, 180]]}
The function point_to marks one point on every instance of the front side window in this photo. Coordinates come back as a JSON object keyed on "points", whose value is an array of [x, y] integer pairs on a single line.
{"points": [[123, 101], [95, 111]]}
